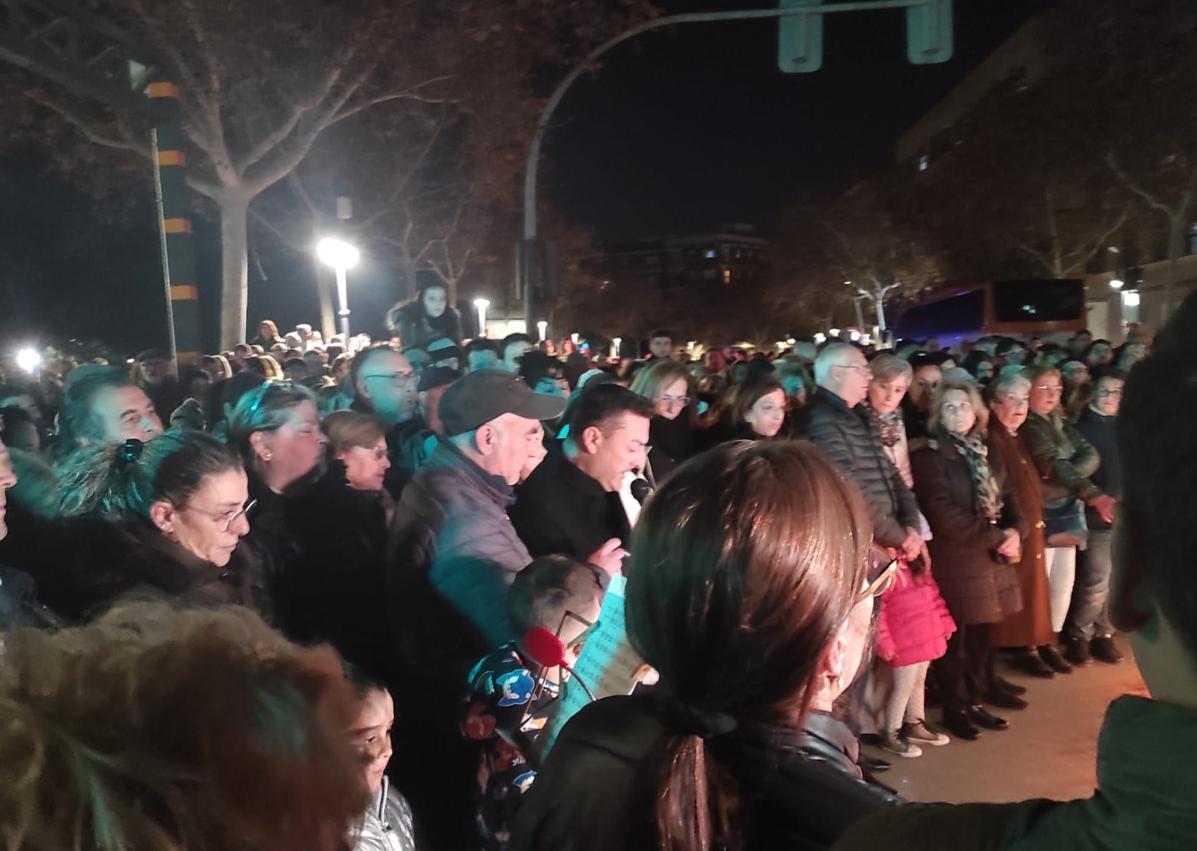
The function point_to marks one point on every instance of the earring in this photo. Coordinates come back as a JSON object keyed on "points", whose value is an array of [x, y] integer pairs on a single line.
{"points": [[266, 456]]}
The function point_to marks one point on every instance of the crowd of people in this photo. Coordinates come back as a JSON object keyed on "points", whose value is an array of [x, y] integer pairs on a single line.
{"points": [[226, 597]]}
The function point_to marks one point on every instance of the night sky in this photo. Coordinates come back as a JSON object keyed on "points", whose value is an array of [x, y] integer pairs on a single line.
{"points": [[681, 130], [695, 125]]}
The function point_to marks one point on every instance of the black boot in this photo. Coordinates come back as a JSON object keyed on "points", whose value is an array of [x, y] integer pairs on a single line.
{"points": [[1049, 654], [959, 726], [1029, 663]]}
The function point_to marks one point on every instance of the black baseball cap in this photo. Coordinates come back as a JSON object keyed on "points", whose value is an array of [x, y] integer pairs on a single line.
{"points": [[481, 396]]}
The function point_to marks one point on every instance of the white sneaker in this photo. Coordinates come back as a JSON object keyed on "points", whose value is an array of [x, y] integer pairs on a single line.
{"points": [[895, 745], [924, 735]]}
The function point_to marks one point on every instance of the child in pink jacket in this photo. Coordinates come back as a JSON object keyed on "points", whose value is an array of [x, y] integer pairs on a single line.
{"points": [[912, 631]]}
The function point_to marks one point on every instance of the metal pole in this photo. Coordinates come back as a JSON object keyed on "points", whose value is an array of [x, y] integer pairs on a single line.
{"points": [[174, 225], [532, 163], [343, 300]]}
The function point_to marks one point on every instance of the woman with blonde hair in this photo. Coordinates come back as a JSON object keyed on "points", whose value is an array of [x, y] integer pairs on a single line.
{"points": [[671, 388], [977, 531], [164, 730]]}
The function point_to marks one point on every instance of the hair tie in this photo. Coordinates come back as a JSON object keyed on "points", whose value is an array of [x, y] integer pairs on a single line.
{"points": [[693, 721], [130, 451]]}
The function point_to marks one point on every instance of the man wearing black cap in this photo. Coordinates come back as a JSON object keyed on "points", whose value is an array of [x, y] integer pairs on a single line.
{"points": [[155, 376], [453, 554]]}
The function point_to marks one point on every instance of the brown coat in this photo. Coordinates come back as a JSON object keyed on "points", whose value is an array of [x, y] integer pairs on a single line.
{"points": [[1032, 625], [977, 587]]}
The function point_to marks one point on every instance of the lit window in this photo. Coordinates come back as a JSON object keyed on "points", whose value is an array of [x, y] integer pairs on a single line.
{"points": [[727, 276]]}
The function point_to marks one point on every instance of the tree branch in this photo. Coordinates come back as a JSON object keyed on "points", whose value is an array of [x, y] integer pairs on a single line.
{"points": [[88, 129], [412, 94], [297, 114], [1134, 187]]}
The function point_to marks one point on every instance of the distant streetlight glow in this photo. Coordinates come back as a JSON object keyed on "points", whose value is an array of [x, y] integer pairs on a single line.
{"points": [[29, 359], [1116, 283], [820, 338], [1130, 299], [618, 346], [854, 335], [543, 327], [341, 256], [835, 332], [481, 304]]}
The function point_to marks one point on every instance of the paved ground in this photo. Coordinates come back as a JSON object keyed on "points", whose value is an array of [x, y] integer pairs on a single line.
{"points": [[1048, 751]]}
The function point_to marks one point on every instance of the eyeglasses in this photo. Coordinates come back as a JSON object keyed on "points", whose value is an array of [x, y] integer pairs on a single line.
{"points": [[1107, 392], [883, 582], [397, 379], [1049, 388], [378, 452], [851, 366], [669, 400], [227, 518]]}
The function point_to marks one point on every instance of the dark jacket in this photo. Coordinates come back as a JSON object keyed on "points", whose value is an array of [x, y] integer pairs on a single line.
{"points": [[1065, 460], [333, 588], [672, 442], [846, 438], [1099, 430], [796, 791], [416, 328], [19, 605], [560, 509], [1146, 799], [452, 555], [977, 584], [92, 564], [407, 450]]}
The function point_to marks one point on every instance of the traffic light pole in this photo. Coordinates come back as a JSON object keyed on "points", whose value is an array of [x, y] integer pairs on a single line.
{"points": [[174, 224], [531, 166]]}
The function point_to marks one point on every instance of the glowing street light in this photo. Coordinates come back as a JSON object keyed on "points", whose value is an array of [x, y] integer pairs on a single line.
{"points": [[835, 332], [618, 346], [1116, 283], [820, 338], [29, 360], [543, 327], [341, 256], [481, 304]]}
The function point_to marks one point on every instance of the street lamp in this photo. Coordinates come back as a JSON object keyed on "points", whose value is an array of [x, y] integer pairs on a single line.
{"points": [[835, 332], [543, 327], [1116, 283], [481, 304], [341, 256], [29, 360], [618, 346]]}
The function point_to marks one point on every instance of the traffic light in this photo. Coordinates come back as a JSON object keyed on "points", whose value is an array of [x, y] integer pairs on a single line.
{"points": [[800, 35], [800, 38], [929, 32]]}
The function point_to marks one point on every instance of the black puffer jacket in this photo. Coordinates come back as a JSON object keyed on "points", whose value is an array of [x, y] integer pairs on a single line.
{"points": [[846, 438]]}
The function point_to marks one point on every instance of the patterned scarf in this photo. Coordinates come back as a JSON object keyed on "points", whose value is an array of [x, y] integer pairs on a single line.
{"points": [[985, 486], [889, 426]]}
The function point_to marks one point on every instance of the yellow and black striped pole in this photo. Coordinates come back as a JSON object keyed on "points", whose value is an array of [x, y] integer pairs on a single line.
{"points": [[174, 223]]}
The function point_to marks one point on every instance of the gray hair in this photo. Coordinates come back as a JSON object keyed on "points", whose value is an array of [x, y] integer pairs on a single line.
{"points": [[831, 356], [1007, 378], [886, 368]]}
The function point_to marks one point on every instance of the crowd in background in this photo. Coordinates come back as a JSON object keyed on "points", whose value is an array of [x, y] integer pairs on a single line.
{"points": [[432, 507]]}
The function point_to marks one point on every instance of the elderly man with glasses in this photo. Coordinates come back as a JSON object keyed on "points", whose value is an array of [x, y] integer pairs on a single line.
{"points": [[385, 385]]}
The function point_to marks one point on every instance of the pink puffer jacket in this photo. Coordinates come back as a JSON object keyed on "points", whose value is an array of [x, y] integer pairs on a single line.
{"points": [[914, 624]]}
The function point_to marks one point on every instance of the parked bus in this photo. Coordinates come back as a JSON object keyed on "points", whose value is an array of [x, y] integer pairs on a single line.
{"points": [[1050, 308]]}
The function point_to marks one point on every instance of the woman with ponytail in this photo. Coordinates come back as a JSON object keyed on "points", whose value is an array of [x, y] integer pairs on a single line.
{"points": [[161, 519], [747, 592]]}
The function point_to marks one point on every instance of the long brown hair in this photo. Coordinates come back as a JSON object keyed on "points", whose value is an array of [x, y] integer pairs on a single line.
{"points": [[745, 564], [162, 730]]}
